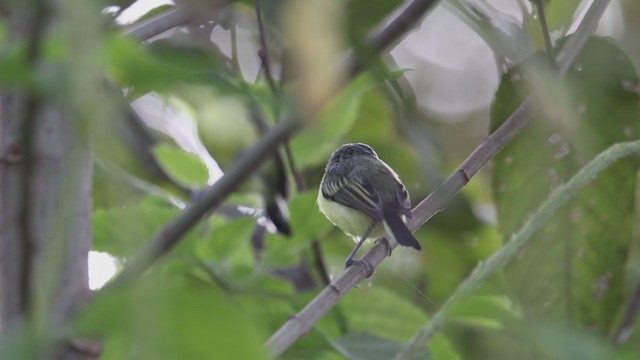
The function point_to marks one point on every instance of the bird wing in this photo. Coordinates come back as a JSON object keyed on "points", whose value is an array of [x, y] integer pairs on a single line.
{"points": [[403, 200], [356, 194]]}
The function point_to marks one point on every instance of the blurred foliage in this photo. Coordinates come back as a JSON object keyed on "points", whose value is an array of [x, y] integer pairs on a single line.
{"points": [[232, 281], [576, 268]]}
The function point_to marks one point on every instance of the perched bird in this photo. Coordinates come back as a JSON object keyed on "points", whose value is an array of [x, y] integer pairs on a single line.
{"points": [[364, 197]]}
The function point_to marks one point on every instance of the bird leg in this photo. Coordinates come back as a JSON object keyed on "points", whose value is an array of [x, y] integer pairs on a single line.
{"points": [[350, 260]]}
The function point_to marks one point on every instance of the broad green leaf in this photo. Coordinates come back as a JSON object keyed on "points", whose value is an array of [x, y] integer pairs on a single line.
{"points": [[561, 342], [574, 269], [161, 66], [374, 125], [314, 144], [170, 315], [384, 314], [559, 14], [486, 311], [14, 71], [364, 15], [363, 346], [307, 224], [123, 231], [186, 168], [228, 242]]}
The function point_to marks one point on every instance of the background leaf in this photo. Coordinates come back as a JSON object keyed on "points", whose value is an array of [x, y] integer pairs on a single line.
{"points": [[186, 168], [574, 269]]}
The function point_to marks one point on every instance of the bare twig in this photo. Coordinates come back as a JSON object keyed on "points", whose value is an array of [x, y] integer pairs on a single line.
{"points": [[544, 28], [264, 53], [235, 58], [625, 329], [318, 259], [403, 20], [574, 44], [302, 322], [178, 16]]}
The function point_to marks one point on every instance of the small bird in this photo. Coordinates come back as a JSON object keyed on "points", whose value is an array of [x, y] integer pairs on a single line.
{"points": [[364, 197]]}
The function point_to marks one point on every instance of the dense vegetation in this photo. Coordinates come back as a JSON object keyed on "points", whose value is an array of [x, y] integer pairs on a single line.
{"points": [[171, 143]]}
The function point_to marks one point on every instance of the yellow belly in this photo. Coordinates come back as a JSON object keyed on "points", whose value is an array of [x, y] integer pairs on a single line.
{"points": [[352, 222]]}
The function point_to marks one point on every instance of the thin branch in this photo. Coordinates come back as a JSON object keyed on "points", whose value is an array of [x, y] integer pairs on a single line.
{"points": [[403, 20], [484, 270], [301, 323], [629, 318], [210, 199], [264, 53], [30, 107], [213, 197], [587, 27], [235, 58], [318, 260], [297, 176], [178, 16], [544, 28]]}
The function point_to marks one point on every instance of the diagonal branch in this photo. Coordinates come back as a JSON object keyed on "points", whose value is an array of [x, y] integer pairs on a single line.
{"points": [[301, 323], [213, 197], [518, 240], [177, 16], [389, 33]]}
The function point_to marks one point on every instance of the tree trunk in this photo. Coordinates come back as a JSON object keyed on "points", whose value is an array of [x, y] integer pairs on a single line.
{"points": [[46, 166]]}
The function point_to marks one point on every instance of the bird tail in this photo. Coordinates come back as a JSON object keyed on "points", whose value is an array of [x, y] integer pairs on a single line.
{"points": [[397, 228], [276, 209]]}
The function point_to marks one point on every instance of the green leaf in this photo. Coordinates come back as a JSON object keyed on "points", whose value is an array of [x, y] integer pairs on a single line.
{"points": [[307, 221], [564, 342], [307, 224], [170, 315], [375, 126], [384, 314], [184, 167], [228, 242], [363, 346], [363, 15], [123, 231], [574, 268], [314, 144], [14, 69], [486, 311], [559, 14], [161, 66]]}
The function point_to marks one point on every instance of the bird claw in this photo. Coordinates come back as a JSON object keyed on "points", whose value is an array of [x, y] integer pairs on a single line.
{"points": [[387, 244], [367, 266]]}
